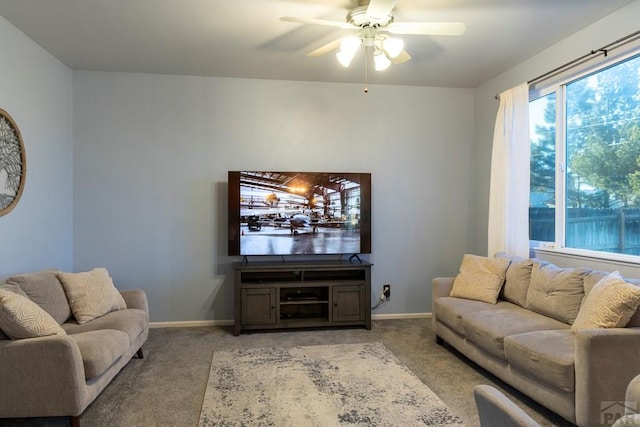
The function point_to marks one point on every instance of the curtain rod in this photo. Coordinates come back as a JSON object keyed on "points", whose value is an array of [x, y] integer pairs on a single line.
{"points": [[604, 50]]}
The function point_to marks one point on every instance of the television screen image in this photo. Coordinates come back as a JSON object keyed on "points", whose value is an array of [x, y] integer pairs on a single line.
{"points": [[299, 213]]}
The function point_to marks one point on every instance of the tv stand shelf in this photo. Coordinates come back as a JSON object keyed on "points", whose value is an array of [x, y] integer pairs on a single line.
{"points": [[298, 294]]}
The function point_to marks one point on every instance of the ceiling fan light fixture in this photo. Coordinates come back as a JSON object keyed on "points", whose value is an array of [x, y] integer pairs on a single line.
{"points": [[350, 44], [380, 60], [392, 46], [373, 27], [348, 47], [345, 58]]}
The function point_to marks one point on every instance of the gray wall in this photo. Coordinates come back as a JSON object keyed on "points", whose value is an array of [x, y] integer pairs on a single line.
{"points": [[128, 171], [605, 31], [35, 89], [151, 154]]}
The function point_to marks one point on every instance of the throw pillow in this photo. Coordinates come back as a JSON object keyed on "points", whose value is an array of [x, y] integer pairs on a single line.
{"points": [[635, 318], [22, 318], [91, 294], [610, 304], [480, 278], [556, 292]]}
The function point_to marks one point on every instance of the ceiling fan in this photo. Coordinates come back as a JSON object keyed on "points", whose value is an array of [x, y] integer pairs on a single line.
{"points": [[371, 24]]}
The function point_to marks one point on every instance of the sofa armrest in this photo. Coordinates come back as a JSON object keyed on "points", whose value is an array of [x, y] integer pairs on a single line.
{"points": [[606, 360], [496, 409], [136, 298], [41, 376], [441, 287]]}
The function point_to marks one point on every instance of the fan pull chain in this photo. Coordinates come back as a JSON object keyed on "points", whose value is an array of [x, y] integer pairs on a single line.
{"points": [[366, 69]]}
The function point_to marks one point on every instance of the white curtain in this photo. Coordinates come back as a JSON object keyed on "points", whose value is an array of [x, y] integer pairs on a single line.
{"points": [[509, 188]]}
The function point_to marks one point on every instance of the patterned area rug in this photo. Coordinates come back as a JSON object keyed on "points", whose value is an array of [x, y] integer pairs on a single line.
{"points": [[324, 385]]}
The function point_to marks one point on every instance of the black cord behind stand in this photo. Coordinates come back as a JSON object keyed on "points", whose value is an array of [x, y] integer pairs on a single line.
{"points": [[356, 257]]}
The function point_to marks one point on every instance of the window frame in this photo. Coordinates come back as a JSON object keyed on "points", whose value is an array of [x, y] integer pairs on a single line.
{"points": [[558, 84]]}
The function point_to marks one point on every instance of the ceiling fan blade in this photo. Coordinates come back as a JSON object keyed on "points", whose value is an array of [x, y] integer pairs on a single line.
{"points": [[403, 57], [326, 48], [427, 28], [338, 24], [378, 10]]}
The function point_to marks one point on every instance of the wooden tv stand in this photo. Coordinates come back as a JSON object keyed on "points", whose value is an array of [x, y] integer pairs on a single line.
{"points": [[280, 295]]}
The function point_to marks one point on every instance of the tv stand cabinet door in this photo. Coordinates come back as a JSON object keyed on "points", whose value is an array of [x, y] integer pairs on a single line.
{"points": [[259, 306], [348, 303]]}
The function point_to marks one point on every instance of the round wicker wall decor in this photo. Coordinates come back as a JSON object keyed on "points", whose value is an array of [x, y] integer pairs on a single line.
{"points": [[13, 163]]}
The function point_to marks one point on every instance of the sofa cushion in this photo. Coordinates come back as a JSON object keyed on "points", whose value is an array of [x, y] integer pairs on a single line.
{"points": [[99, 349], [91, 294], [480, 278], [130, 321], [634, 322], [450, 310], [44, 288], [518, 278], [592, 278], [556, 292], [11, 287], [517, 281], [546, 356], [488, 328], [22, 318], [610, 304]]}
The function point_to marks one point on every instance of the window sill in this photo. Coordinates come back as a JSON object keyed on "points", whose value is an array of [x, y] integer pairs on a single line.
{"points": [[581, 254]]}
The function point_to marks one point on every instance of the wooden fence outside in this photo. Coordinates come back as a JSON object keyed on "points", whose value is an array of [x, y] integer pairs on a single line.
{"points": [[608, 230]]}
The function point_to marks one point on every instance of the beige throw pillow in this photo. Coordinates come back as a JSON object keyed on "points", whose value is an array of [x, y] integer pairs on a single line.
{"points": [[480, 278], [22, 318], [610, 304], [91, 294]]}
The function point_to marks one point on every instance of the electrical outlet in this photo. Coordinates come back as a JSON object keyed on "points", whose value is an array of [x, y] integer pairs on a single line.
{"points": [[386, 290]]}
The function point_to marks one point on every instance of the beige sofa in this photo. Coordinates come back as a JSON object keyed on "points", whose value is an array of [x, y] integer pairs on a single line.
{"points": [[526, 338], [60, 374]]}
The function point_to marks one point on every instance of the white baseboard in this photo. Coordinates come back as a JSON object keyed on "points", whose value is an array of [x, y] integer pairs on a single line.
{"points": [[190, 323], [197, 323], [398, 316]]}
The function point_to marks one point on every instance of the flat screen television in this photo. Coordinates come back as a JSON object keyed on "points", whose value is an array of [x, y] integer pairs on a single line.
{"points": [[299, 213]]}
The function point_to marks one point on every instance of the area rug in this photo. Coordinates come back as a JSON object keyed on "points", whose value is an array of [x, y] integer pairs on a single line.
{"points": [[324, 385]]}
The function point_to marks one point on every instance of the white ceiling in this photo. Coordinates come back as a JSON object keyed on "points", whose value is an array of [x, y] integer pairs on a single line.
{"points": [[245, 38]]}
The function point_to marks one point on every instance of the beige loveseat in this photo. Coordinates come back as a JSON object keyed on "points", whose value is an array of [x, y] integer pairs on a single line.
{"points": [[526, 339], [52, 364]]}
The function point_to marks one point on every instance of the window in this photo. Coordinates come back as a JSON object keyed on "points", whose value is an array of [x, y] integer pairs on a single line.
{"points": [[542, 196], [585, 162]]}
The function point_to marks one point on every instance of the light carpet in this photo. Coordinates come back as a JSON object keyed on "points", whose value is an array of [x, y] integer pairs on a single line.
{"points": [[323, 385]]}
